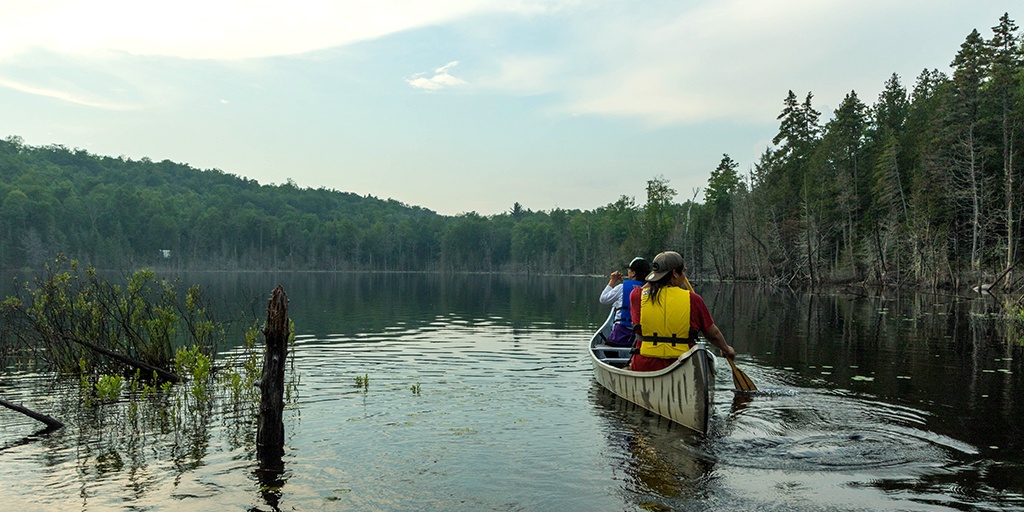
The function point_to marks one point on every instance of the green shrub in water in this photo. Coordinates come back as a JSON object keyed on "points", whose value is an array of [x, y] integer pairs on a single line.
{"points": [[108, 388], [194, 363]]}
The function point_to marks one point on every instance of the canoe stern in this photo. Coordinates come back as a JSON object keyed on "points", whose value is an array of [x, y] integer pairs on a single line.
{"points": [[682, 392]]}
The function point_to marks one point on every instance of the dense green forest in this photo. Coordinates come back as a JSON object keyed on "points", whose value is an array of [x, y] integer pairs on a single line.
{"points": [[922, 187]]}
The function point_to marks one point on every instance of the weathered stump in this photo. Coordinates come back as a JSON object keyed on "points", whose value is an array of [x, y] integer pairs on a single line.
{"points": [[270, 429]]}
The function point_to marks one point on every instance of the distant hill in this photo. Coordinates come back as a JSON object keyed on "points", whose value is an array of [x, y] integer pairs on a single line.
{"points": [[113, 212]]}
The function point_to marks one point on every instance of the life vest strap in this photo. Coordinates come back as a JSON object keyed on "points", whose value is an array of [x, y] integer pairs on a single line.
{"points": [[662, 339]]}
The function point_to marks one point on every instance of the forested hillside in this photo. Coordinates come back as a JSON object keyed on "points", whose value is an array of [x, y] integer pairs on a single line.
{"points": [[114, 211], [921, 187], [111, 211]]}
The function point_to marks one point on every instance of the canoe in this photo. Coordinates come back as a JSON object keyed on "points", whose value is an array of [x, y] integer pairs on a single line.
{"points": [[682, 392]]}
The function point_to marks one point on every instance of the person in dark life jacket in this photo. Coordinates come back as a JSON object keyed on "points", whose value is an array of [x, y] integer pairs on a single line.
{"points": [[617, 292], [668, 317]]}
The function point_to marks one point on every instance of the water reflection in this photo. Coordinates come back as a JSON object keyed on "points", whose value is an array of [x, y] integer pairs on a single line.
{"points": [[331, 304], [271, 480], [955, 359], [663, 464], [31, 438], [881, 402]]}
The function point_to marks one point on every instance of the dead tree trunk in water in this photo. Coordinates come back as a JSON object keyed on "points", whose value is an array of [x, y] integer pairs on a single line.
{"points": [[270, 429]]}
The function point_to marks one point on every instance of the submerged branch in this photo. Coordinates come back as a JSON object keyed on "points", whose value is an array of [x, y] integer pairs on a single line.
{"points": [[164, 375], [50, 422]]}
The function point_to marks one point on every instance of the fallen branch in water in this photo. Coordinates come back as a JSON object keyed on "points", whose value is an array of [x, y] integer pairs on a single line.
{"points": [[164, 375], [50, 422]]}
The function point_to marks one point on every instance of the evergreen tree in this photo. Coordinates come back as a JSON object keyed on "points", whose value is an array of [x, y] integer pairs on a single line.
{"points": [[926, 150], [1006, 57], [970, 67], [839, 157], [892, 108], [890, 115], [723, 185], [658, 219]]}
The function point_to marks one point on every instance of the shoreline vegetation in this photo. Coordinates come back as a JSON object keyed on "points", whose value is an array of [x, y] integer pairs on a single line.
{"points": [[921, 189], [141, 338]]}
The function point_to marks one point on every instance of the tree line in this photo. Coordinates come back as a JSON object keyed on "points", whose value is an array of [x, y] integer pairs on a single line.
{"points": [[922, 187], [112, 212]]}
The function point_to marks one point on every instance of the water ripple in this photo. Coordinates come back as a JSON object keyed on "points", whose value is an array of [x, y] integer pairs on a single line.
{"points": [[822, 430]]}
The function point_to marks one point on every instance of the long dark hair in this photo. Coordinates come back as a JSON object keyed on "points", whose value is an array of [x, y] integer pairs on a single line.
{"points": [[655, 286]]}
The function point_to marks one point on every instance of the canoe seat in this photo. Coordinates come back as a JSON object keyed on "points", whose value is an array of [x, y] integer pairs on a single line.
{"points": [[610, 354]]}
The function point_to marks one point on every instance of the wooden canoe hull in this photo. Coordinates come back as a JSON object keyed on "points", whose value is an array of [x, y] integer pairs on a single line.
{"points": [[682, 392]]}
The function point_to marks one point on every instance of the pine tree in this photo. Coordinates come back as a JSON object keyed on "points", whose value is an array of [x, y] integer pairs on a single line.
{"points": [[970, 68], [1005, 52], [890, 116], [892, 107], [723, 185], [926, 149], [658, 219], [843, 144]]}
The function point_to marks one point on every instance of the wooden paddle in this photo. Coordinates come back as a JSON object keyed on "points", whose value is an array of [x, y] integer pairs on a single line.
{"points": [[739, 379]]}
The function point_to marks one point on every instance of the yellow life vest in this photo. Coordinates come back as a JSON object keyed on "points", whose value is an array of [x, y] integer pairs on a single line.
{"points": [[664, 327]]}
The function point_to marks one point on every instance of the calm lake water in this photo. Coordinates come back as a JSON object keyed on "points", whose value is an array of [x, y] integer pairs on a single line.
{"points": [[888, 402]]}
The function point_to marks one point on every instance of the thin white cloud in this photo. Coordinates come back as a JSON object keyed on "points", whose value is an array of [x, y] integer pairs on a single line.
{"points": [[673, 62], [228, 29], [440, 79], [61, 95], [660, 61], [722, 59]]}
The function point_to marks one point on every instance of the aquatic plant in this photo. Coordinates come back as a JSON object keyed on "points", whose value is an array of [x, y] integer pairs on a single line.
{"points": [[70, 313], [108, 388], [198, 366]]}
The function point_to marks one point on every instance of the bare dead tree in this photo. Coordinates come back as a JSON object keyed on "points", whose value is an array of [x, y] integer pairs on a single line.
{"points": [[270, 429]]}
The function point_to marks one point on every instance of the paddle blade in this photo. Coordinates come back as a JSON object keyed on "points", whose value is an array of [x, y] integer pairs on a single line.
{"points": [[740, 379]]}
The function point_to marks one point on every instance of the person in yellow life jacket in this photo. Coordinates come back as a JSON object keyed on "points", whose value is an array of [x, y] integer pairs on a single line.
{"points": [[669, 317]]}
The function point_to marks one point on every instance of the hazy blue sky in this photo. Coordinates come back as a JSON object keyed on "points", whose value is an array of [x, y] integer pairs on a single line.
{"points": [[455, 105]]}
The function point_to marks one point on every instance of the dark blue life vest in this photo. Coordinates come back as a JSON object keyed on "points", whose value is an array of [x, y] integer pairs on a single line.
{"points": [[623, 314]]}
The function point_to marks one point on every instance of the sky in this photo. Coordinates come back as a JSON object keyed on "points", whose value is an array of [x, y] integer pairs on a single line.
{"points": [[457, 105]]}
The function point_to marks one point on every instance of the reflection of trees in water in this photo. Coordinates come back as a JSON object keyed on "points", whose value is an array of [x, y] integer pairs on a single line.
{"points": [[928, 335], [665, 466], [361, 302], [958, 358]]}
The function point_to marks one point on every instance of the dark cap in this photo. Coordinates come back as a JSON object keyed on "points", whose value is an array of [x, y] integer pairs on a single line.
{"points": [[640, 267], [664, 263], [639, 264]]}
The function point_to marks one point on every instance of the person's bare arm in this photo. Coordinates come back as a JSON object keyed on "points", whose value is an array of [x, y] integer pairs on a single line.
{"points": [[715, 336]]}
